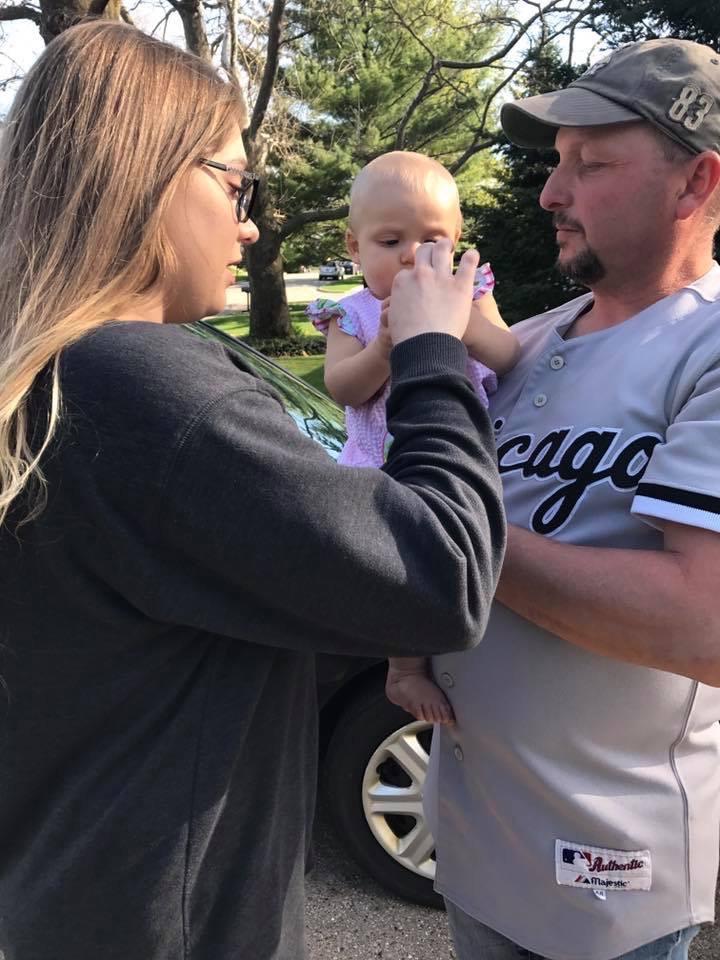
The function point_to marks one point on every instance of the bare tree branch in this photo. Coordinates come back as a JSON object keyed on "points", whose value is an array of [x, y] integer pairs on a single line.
{"points": [[477, 147], [293, 224], [191, 14], [271, 65], [297, 36], [421, 95], [434, 80], [97, 8], [21, 11]]}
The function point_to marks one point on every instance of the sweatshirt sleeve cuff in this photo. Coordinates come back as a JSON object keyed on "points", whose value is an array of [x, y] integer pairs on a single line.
{"points": [[428, 353]]}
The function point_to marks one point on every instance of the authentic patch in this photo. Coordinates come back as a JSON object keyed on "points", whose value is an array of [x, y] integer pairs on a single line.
{"points": [[595, 868]]}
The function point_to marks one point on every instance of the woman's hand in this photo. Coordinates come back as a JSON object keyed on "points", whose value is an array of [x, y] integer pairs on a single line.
{"points": [[428, 298]]}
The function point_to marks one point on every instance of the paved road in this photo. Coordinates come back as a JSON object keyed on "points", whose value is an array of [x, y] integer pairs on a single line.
{"points": [[350, 917], [300, 288]]}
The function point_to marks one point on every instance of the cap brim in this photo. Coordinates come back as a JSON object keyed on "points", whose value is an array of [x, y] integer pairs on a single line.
{"points": [[533, 122]]}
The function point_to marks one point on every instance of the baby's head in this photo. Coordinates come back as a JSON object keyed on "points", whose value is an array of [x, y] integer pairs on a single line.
{"points": [[398, 201]]}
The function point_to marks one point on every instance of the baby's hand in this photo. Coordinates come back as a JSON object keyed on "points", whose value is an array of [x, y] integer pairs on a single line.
{"points": [[383, 335]]}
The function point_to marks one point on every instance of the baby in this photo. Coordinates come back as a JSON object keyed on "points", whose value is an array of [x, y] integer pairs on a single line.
{"points": [[397, 202]]}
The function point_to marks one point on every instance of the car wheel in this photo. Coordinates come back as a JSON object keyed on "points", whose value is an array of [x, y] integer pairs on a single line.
{"points": [[373, 777]]}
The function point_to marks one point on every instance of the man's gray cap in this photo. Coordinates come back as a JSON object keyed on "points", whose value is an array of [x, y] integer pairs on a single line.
{"points": [[674, 84]]}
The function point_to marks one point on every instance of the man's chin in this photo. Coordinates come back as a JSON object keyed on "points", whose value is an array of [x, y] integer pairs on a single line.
{"points": [[583, 268]]}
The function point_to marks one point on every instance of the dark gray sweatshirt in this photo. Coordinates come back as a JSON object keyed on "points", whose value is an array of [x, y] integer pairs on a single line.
{"points": [[158, 622]]}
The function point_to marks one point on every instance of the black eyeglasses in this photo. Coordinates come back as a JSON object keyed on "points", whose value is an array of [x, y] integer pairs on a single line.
{"points": [[246, 192]]}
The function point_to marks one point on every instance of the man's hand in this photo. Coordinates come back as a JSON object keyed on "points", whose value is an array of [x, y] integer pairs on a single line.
{"points": [[428, 298]]}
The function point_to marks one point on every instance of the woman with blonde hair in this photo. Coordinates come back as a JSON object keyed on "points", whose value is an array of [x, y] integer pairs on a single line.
{"points": [[164, 527]]}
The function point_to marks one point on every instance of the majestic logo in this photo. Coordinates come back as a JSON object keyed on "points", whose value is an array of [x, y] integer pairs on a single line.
{"points": [[579, 462]]}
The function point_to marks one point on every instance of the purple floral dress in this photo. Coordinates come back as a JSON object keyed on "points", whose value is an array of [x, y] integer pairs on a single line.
{"points": [[359, 316]]}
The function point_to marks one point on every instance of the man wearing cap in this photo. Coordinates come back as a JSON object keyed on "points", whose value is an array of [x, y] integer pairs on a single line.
{"points": [[576, 803]]}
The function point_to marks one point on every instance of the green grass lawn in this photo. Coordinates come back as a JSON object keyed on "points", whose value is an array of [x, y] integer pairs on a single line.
{"points": [[337, 287], [238, 324], [307, 368]]}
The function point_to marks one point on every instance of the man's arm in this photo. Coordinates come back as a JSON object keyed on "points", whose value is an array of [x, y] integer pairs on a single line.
{"points": [[654, 608]]}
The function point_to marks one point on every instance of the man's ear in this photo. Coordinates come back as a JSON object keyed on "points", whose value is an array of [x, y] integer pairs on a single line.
{"points": [[703, 177], [351, 245]]}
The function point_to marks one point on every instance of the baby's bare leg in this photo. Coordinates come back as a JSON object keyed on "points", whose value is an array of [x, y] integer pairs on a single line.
{"points": [[410, 687]]}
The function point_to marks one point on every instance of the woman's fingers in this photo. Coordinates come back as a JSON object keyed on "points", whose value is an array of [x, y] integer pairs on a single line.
{"points": [[465, 275], [428, 298], [442, 255]]}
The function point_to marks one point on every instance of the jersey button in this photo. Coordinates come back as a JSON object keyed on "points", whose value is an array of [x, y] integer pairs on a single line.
{"points": [[457, 750], [540, 400], [447, 679], [557, 362]]}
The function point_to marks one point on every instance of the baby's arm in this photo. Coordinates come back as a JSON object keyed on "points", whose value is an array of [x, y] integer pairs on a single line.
{"points": [[353, 373], [488, 338], [409, 686]]}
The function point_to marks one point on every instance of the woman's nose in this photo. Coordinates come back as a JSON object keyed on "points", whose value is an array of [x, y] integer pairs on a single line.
{"points": [[248, 232]]}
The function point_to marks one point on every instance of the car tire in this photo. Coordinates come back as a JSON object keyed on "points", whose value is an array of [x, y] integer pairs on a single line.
{"points": [[374, 803]]}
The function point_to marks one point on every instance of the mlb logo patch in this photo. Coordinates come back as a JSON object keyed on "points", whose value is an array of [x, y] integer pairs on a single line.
{"points": [[602, 869]]}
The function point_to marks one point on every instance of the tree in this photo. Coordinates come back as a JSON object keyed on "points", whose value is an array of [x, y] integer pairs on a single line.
{"points": [[367, 76], [625, 21], [622, 21], [335, 82], [511, 230]]}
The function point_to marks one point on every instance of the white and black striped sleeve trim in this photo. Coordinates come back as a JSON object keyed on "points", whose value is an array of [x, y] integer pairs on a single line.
{"points": [[680, 506]]}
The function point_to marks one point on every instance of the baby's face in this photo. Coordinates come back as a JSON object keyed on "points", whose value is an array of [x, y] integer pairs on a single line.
{"points": [[391, 223]]}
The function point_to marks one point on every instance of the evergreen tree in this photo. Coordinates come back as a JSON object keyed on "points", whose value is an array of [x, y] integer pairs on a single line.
{"points": [[625, 21], [510, 229]]}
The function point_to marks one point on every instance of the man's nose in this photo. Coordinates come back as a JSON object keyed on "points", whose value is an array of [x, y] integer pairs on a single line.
{"points": [[555, 194]]}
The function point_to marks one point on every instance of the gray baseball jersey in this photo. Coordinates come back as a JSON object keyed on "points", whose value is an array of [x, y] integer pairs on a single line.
{"points": [[575, 805]]}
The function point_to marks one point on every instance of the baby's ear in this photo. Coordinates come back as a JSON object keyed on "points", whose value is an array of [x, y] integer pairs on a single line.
{"points": [[351, 245]]}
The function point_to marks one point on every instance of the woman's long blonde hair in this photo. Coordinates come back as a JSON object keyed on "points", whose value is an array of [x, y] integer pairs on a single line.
{"points": [[105, 126]]}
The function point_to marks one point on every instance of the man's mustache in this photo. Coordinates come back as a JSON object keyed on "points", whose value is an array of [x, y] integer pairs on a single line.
{"points": [[561, 220]]}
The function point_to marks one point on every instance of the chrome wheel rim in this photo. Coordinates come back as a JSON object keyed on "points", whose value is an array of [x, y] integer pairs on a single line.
{"points": [[392, 792]]}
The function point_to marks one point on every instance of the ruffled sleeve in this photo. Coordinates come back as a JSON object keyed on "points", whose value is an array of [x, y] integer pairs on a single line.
{"points": [[484, 281], [321, 312]]}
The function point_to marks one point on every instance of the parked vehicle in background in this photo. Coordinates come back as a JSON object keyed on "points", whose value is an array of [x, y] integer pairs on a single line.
{"points": [[373, 755], [349, 267], [332, 270]]}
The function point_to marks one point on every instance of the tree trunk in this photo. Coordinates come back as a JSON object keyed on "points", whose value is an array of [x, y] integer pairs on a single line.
{"points": [[269, 314], [192, 15], [58, 15]]}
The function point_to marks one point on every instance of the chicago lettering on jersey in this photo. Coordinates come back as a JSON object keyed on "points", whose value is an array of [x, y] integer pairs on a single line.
{"points": [[579, 460]]}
